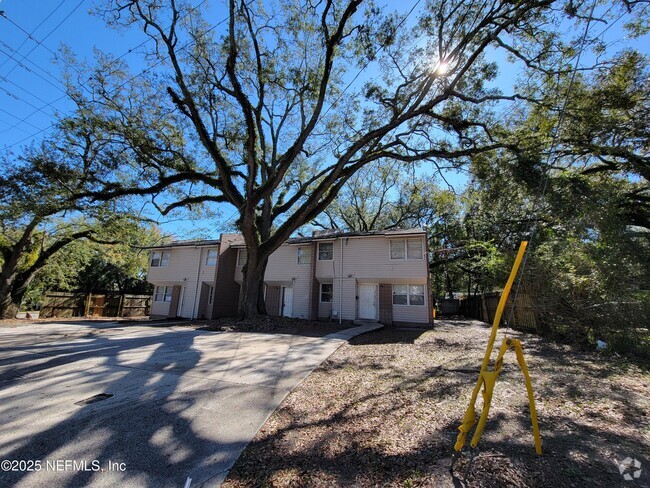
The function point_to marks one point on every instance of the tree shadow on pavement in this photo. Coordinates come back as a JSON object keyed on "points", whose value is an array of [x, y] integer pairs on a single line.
{"points": [[151, 423]]}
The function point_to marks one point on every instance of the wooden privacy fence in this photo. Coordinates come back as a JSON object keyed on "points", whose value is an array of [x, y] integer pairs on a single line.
{"points": [[64, 304], [483, 307]]}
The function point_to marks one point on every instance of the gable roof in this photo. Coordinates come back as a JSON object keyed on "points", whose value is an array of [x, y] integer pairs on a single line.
{"points": [[330, 234], [190, 243], [320, 235]]}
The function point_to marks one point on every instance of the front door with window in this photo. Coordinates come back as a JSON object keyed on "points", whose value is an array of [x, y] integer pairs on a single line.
{"points": [[287, 301], [368, 301]]}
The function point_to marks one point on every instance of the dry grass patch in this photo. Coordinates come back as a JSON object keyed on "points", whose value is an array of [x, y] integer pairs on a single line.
{"points": [[384, 411]]}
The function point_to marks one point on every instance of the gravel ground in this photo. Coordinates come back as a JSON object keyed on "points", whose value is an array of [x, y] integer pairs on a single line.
{"points": [[384, 411]]}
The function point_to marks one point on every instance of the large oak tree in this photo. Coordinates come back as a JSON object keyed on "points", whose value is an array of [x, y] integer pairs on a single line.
{"points": [[264, 110]]}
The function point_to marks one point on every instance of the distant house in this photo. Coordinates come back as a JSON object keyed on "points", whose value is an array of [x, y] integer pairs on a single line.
{"points": [[369, 276]]}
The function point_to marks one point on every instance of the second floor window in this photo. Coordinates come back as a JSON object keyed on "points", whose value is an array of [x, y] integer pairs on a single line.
{"points": [[159, 259], [242, 257], [325, 251], [211, 259], [406, 249], [304, 255]]}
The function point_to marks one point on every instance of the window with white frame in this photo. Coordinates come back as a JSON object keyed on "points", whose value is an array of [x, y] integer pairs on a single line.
{"points": [[210, 295], [326, 292], [408, 295], [400, 294], [162, 294], [406, 249], [325, 251], [211, 258], [416, 294], [304, 255], [160, 259], [242, 257]]}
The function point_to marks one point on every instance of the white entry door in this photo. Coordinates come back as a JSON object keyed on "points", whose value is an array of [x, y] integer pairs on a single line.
{"points": [[287, 301], [179, 312], [367, 301]]}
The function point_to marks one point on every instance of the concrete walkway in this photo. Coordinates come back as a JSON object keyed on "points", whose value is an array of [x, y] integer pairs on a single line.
{"points": [[183, 403]]}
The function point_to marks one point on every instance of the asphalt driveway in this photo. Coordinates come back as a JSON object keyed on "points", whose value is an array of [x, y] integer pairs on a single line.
{"points": [[102, 404]]}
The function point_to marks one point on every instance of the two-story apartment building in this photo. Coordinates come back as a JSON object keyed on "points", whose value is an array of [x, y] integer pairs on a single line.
{"points": [[372, 276]]}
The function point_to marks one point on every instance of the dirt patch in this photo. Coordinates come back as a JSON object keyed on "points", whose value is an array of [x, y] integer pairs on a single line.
{"points": [[384, 411], [267, 325]]}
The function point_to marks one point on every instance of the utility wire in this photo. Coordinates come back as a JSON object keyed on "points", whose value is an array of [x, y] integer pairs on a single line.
{"points": [[40, 43], [19, 62], [539, 198], [29, 36], [146, 70]]}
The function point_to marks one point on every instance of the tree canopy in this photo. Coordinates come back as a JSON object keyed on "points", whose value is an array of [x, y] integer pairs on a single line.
{"points": [[258, 111]]}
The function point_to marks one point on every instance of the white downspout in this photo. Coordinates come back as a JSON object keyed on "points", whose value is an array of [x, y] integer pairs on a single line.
{"points": [[196, 289], [341, 282]]}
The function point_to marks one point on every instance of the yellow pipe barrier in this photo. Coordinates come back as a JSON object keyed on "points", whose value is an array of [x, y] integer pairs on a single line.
{"points": [[487, 378]]}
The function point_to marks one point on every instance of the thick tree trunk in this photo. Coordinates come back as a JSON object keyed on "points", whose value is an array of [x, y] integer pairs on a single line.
{"points": [[12, 294], [10, 303], [251, 297], [9, 308]]}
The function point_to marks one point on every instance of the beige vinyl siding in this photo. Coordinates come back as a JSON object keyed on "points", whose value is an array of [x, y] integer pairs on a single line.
{"points": [[369, 258], [412, 313], [365, 259], [348, 295], [324, 310], [324, 269], [187, 269], [159, 308], [283, 269]]}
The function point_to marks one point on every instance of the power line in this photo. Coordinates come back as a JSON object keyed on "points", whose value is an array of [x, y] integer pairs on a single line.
{"points": [[35, 29], [119, 87], [31, 136], [40, 43], [12, 125], [19, 62], [13, 95], [544, 183]]}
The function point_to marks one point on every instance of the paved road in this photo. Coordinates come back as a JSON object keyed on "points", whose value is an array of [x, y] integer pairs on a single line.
{"points": [[184, 403]]}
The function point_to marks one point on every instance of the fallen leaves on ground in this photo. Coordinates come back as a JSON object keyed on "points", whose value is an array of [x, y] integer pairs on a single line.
{"points": [[384, 411]]}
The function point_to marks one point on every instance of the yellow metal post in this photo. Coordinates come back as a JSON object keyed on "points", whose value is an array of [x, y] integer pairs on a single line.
{"points": [[488, 378]]}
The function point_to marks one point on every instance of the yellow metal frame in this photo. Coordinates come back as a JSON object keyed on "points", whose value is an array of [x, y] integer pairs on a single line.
{"points": [[487, 379]]}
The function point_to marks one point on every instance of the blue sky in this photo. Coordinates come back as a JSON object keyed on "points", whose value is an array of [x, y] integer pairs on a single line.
{"points": [[31, 87]]}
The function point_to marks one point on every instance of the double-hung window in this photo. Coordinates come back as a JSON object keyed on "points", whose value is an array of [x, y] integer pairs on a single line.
{"points": [[325, 251], [406, 249], [159, 259], [211, 259], [408, 294], [304, 255], [242, 257], [163, 294]]}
